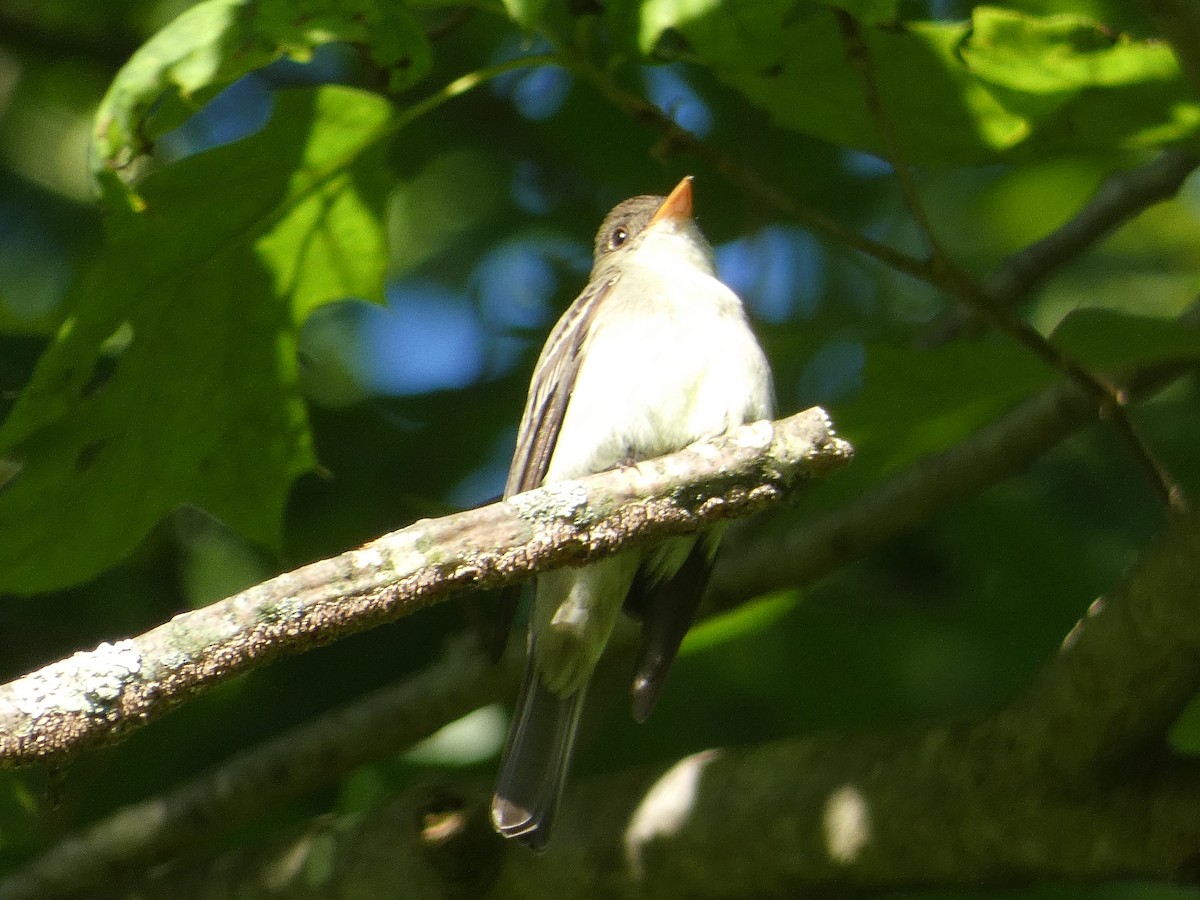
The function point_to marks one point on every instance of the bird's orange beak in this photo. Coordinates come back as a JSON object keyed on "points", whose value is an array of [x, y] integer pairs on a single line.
{"points": [[678, 205]]}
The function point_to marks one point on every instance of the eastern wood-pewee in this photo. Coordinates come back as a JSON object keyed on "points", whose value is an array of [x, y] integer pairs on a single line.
{"points": [[655, 354]]}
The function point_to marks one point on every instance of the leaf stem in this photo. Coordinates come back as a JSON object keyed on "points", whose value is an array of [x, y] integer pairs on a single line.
{"points": [[466, 83]]}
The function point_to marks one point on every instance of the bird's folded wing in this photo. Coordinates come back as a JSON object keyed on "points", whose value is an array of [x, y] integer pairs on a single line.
{"points": [[549, 393]]}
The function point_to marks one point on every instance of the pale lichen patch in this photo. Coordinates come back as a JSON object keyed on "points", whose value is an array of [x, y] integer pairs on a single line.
{"points": [[402, 553], [366, 558], [561, 500], [88, 682], [756, 435]]}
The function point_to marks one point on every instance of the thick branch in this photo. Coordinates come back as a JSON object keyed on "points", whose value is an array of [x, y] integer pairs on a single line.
{"points": [[296, 762], [317, 753], [344, 739], [1006, 800], [1051, 787], [95, 697], [1124, 674]]}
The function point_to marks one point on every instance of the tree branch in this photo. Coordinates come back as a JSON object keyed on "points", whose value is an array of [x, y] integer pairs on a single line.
{"points": [[1119, 198], [771, 560], [296, 762], [96, 697], [940, 805], [386, 721], [1018, 797], [962, 286]]}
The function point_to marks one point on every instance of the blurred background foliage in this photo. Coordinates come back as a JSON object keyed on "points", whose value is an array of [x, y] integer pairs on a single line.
{"points": [[259, 310]]}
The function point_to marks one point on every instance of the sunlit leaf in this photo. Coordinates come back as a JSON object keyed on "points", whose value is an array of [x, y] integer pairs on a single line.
{"points": [[526, 12], [216, 42], [744, 620], [1003, 83], [175, 378]]}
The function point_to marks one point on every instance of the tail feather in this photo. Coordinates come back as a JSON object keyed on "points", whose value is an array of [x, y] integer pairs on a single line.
{"points": [[534, 766]]}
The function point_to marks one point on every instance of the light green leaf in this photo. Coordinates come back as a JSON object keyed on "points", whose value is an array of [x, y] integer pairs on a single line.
{"points": [[174, 379], [747, 619], [1058, 54], [1002, 84], [216, 42], [526, 13]]}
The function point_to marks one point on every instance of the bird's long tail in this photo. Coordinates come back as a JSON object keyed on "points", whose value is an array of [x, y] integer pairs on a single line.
{"points": [[534, 766]]}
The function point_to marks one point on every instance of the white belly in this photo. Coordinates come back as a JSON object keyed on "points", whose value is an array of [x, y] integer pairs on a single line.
{"points": [[670, 359], [658, 375]]}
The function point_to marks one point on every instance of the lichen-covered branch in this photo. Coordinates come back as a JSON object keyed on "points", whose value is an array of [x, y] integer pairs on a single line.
{"points": [[300, 760], [391, 719], [95, 697], [1018, 797]]}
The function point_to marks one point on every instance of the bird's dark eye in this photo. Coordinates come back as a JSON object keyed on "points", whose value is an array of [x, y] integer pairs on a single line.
{"points": [[619, 236]]}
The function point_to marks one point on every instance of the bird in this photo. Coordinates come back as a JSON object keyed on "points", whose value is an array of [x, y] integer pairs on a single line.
{"points": [[654, 354]]}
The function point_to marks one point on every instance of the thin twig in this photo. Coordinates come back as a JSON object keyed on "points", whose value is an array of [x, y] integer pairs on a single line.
{"points": [[641, 110], [1108, 399], [1122, 196], [764, 560], [962, 286], [860, 59], [1119, 198]]}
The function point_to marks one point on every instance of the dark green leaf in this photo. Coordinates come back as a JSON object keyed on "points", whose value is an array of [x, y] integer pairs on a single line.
{"points": [[1111, 342]]}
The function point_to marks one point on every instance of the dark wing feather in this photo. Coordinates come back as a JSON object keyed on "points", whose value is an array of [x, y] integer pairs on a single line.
{"points": [[666, 610], [549, 393]]}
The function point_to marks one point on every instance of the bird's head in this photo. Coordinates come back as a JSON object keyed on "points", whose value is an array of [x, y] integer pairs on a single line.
{"points": [[631, 223]]}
